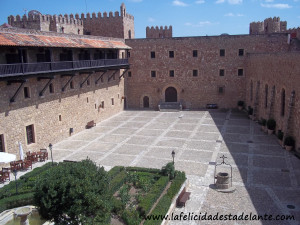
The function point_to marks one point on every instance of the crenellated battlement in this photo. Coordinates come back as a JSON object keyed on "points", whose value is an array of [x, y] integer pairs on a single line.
{"points": [[118, 24], [268, 26], [159, 32]]}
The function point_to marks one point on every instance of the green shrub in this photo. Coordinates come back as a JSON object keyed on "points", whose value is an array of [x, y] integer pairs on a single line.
{"points": [[161, 209], [148, 200], [74, 193], [263, 122], [114, 171], [16, 201], [289, 141], [176, 184], [250, 111], [117, 206], [168, 170], [271, 124], [117, 181], [140, 169], [280, 135], [131, 217]]}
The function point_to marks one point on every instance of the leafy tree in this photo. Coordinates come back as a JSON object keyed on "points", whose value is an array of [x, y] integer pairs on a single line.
{"points": [[168, 170], [74, 193]]}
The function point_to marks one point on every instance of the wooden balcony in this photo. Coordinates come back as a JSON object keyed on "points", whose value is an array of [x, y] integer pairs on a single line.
{"points": [[9, 70]]}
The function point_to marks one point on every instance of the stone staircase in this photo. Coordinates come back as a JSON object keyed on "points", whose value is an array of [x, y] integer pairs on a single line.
{"points": [[170, 107]]}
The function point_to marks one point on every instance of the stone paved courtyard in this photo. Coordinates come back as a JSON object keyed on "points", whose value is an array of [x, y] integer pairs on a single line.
{"points": [[266, 177]]}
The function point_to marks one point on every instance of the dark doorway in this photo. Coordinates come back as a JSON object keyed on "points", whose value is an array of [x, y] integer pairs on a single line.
{"points": [[171, 94], [146, 102]]}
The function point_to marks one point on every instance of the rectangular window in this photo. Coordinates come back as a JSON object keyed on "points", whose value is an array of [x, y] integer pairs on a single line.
{"points": [[128, 54], [221, 72], [195, 73], [30, 134], [59, 118], [88, 83], [129, 73], [241, 52], [171, 72], [221, 89], [102, 104], [195, 53], [71, 85], [2, 147], [112, 101], [222, 52], [26, 92], [51, 88], [152, 55], [153, 73], [240, 72], [171, 54]]}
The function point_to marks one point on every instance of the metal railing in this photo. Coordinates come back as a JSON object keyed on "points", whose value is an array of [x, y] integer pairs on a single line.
{"points": [[44, 67]]}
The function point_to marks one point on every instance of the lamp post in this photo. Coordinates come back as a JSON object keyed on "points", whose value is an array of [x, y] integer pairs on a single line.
{"points": [[173, 155], [15, 172], [50, 147]]}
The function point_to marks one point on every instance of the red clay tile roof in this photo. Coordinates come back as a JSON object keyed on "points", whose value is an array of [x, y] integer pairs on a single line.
{"points": [[67, 41]]}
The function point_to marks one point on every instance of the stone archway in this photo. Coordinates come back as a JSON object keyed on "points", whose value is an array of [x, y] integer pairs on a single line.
{"points": [[171, 94], [146, 103]]}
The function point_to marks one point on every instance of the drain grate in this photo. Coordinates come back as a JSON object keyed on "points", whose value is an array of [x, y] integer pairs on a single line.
{"points": [[291, 206], [249, 141], [219, 141], [212, 163], [285, 170]]}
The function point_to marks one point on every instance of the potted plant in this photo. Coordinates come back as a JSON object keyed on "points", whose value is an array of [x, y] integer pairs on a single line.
{"points": [[271, 124], [280, 137], [264, 125], [289, 143], [240, 105], [250, 112]]}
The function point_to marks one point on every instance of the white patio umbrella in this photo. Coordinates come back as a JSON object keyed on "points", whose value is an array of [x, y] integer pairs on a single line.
{"points": [[21, 151], [6, 157]]}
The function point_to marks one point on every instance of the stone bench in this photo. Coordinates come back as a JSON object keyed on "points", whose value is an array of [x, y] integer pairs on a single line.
{"points": [[182, 198], [90, 124]]}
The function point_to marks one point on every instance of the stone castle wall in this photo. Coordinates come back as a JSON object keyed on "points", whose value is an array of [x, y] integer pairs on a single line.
{"points": [[75, 106], [282, 71], [162, 32], [194, 92]]}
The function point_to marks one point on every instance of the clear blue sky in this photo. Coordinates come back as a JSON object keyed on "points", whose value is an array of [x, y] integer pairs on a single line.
{"points": [[188, 17]]}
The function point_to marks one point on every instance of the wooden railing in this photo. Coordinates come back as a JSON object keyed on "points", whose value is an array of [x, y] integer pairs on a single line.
{"points": [[44, 67]]}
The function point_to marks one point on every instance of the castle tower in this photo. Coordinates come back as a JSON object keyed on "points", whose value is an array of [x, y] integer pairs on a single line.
{"points": [[159, 32], [268, 26], [118, 25]]}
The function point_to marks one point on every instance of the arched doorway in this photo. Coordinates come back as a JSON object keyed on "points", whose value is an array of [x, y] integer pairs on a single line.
{"points": [[146, 102], [171, 94]]}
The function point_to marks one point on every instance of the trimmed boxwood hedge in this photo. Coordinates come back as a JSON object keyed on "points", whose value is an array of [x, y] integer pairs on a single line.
{"points": [[141, 169], [16, 201], [147, 202], [117, 181], [163, 205]]}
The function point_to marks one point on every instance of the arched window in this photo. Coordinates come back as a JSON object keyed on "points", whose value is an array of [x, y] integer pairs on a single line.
{"points": [[282, 102], [51, 88], [266, 96]]}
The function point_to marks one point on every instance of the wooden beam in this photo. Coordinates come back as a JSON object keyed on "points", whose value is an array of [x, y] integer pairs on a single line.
{"points": [[104, 72], [112, 75], [18, 90], [46, 86], [64, 87], [123, 73], [81, 85]]}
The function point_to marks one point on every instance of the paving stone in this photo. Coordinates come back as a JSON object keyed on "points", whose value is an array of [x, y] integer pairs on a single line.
{"points": [[233, 148], [171, 142], [178, 134], [234, 159], [78, 156], [161, 152], [113, 138], [206, 136], [99, 147], [196, 156], [141, 140], [70, 145], [87, 136], [191, 168], [133, 124], [238, 129], [116, 160], [123, 130], [184, 127], [128, 149], [201, 145], [273, 150], [157, 125], [269, 162], [150, 132], [149, 162], [271, 178], [209, 128]]}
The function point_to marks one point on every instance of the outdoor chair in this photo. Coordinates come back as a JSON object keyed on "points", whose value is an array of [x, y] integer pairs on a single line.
{"points": [[5, 173], [43, 155], [26, 164]]}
